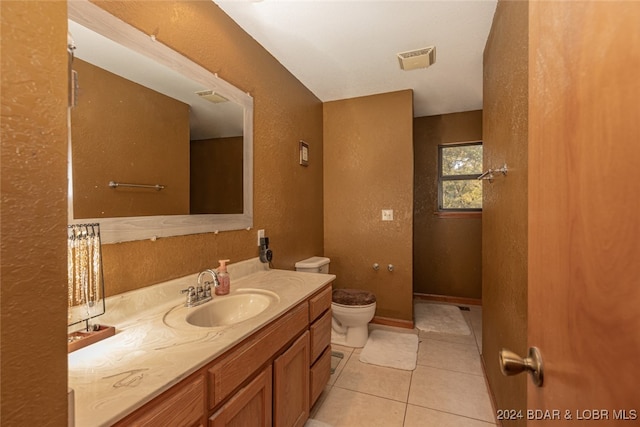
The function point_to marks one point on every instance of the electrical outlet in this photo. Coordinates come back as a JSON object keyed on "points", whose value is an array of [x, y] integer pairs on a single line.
{"points": [[387, 214], [260, 236]]}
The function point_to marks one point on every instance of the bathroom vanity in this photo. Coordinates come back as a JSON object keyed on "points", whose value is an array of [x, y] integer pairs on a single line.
{"points": [[265, 370]]}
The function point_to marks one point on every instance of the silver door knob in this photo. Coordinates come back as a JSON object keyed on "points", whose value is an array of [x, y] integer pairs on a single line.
{"points": [[512, 364]]}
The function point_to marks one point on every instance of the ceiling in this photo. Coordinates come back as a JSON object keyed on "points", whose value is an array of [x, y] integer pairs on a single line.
{"points": [[347, 49]]}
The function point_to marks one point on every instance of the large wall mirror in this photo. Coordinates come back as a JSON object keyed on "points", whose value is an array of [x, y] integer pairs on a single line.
{"points": [[159, 146]]}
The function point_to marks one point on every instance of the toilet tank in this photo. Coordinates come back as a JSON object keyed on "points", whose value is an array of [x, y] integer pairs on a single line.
{"points": [[314, 264]]}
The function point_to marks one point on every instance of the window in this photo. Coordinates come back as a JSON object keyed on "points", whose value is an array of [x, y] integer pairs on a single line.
{"points": [[459, 166]]}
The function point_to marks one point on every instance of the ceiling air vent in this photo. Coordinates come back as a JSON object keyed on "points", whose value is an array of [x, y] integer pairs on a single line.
{"points": [[420, 58], [211, 96]]}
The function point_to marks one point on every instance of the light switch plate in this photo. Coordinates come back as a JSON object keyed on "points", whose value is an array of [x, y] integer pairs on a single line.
{"points": [[387, 214]]}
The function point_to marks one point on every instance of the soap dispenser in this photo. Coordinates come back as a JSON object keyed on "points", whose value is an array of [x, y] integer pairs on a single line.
{"points": [[223, 277]]}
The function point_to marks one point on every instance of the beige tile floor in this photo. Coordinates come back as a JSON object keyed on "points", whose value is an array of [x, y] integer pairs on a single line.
{"points": [[447, 388]]}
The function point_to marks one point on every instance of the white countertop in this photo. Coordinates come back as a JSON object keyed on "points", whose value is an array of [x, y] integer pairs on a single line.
{"points": [[114, 377]]}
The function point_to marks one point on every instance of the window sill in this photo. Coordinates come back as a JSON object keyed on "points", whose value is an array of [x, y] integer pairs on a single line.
{"points": [[458, 214]]}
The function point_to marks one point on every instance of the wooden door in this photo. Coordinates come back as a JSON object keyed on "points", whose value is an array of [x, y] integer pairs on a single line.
{"points": [[584, 211], [291, 385], [251, 406]]}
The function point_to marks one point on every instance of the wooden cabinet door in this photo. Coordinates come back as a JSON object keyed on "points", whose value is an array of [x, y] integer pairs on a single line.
{"points": [[291, 385], [249, 407]]}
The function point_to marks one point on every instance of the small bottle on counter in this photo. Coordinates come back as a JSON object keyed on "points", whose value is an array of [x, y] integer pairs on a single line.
{"points": [[223, 277]]}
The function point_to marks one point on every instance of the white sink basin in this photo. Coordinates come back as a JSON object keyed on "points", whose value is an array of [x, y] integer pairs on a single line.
{"points": [[230, 309]]}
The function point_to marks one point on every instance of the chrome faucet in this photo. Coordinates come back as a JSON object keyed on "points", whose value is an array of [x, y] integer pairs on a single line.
{"points": [[201, 293], [206, 286]]}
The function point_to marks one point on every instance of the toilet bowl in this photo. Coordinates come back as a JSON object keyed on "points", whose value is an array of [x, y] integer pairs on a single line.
{"points": [[352, 309], [351, 317]]}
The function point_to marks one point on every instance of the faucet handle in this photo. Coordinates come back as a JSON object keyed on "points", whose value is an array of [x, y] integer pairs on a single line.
{"points": [[207, 289], [190, 290], [191, 294]]}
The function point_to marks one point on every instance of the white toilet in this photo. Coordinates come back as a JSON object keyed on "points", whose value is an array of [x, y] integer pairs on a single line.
{"points": [[352, 309]]}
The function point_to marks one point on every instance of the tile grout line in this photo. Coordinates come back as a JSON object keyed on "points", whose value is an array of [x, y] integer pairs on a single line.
{"points": [[406, 406], [370, 394], [452, 370], [452, 413]]}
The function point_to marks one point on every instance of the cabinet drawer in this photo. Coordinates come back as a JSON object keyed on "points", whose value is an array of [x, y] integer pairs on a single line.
{"points": [[228, 373], [319, 303], [319, 376], [183, 405], [320, 335]]}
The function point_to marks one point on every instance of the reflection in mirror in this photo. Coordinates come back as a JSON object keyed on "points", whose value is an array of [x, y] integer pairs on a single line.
{"points": [[147, 116], [85, 287], [137, 121]]}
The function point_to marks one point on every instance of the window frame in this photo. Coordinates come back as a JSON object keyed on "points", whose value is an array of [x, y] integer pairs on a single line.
{"points": [[442, 178]]}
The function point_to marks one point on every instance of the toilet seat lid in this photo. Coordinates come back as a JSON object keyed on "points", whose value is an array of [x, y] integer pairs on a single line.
{"points": [[353, 297]]}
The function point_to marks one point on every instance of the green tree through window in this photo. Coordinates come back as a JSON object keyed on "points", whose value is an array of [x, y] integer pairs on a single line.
{"points": [[459, 167]]}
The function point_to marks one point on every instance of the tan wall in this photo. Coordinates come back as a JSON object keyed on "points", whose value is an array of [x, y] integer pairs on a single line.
{"points": [[504, 218], [369, 167], [34, 150], [216, 176], [125, 132], [287, 196], [33, 350], [446, 251]]}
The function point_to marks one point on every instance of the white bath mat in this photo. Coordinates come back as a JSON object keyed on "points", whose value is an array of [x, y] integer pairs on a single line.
{"points": [[445, 319], [392, 349]]}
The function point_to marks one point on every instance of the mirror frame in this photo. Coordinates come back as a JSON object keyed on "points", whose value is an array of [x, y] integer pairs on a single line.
{"points": [[125, 229]]}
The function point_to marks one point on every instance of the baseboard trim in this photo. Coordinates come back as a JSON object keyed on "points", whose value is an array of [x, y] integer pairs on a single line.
{"points": [[492, 397], [398, 323], [447, 299]]}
